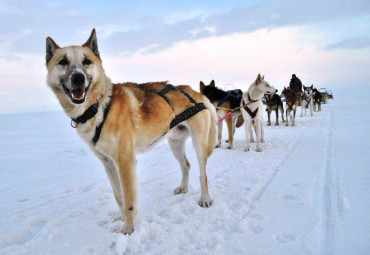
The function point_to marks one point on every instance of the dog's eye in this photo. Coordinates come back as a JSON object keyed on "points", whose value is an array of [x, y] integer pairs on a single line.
{"points": [[63, 62], [86, 62]]}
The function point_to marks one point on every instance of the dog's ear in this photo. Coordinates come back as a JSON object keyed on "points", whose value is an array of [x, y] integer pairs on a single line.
{"points": [[258, 80], [212, 84], [201, 86], [304, 87], [263, 78], [51, 47], [92, 43], [312, 86]]}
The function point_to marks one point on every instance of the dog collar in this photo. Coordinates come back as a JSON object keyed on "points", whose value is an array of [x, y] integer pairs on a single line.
{"points": [[250, 99], [88, 114]]}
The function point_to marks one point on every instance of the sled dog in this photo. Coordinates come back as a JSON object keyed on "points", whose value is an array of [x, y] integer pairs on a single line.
{"points": [[252, 110], [118, 121], [317, 97], [291, 104], [224, 100], [273, 103], [307, 101]]}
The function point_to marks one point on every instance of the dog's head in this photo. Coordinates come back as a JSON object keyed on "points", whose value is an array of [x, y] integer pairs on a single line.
{"points": [[308, 91], [263, 85], [73, 70], [204, 89]]}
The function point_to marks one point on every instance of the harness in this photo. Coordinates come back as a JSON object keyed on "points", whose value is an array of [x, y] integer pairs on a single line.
{"points": [[247, 109], [306, 98], [93, 109], [188, 113], [229, 94], [90, 113]]}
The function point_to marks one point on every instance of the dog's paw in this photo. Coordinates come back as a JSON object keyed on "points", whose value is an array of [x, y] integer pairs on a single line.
{"points": [[205, 203], [276, 124], [127, 229], [246, 149], [229, 147], [293, 124], [227, 141], [258, 149], [268, 124], [180, 190], [218, 145], [251, 140], [262, 140]]}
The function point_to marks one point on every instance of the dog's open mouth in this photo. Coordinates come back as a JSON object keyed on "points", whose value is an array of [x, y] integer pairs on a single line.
{"points": [[77, 96]]}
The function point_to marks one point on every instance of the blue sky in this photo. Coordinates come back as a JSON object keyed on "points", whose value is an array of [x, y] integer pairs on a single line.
{"points": [[325, 42]]}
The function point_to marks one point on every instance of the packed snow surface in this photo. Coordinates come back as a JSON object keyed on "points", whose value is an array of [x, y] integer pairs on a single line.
{"points": [[307, 192]]}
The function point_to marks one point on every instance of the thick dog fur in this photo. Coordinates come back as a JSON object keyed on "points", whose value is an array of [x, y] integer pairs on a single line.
{"points": [[291, 99], [274, 103], [136, 120], [317, 97], [255, 91], [307, 100], [215, 95]]}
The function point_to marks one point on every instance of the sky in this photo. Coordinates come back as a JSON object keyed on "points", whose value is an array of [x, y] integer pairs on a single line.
{"points": [[325, 43]]}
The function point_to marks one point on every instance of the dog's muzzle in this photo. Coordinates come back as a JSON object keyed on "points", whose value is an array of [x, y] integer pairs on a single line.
{"points": [[77, 89]]}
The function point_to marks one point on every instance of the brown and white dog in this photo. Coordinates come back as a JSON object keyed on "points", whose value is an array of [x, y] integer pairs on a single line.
{"points": [[129, 118], [291, 104]]}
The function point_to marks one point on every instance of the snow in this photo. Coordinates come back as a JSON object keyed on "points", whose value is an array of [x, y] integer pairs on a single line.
{"points": [[307, 192]]}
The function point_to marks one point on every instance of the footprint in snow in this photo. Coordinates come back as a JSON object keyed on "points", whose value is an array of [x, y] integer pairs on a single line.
{"points": [[285, 237]]}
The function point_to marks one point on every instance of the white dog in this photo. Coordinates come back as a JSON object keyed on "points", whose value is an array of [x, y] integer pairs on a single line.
{"points": [[307, 100], [253, 110]]}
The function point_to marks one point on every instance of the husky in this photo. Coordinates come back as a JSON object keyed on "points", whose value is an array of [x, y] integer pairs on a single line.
{"points": [[291, 101], [273, 102], [252, 110], [317, 97], [118, 121], [223, 100], [307, 101]]}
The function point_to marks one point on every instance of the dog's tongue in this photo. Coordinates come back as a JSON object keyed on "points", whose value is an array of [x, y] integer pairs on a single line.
{"points": [[78, 94]]}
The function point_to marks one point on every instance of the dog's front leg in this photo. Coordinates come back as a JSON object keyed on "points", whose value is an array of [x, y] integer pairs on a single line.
{"points": [[294, 113], [126, 166], [268, 116], [248, 133], [113, 178], [277, 117], [229, 123], [258, 135], [302, 106], [287, 117], [311, 108], [219, 137]]}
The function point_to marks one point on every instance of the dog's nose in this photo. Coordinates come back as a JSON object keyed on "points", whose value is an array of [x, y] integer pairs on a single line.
{"points": [[78, 80]]}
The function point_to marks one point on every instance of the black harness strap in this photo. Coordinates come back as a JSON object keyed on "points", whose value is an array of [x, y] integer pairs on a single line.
{"points": [[100, 126], [185, 114]]}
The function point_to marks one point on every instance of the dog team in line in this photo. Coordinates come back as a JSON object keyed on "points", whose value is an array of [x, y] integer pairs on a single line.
{"points": [[119, 120], [236, 107]]}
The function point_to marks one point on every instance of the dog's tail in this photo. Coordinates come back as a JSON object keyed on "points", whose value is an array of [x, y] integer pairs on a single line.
{"points": [[212, 138]]}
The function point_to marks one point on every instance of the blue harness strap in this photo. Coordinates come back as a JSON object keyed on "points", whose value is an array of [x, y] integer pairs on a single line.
{"points": [[229, 94]]}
